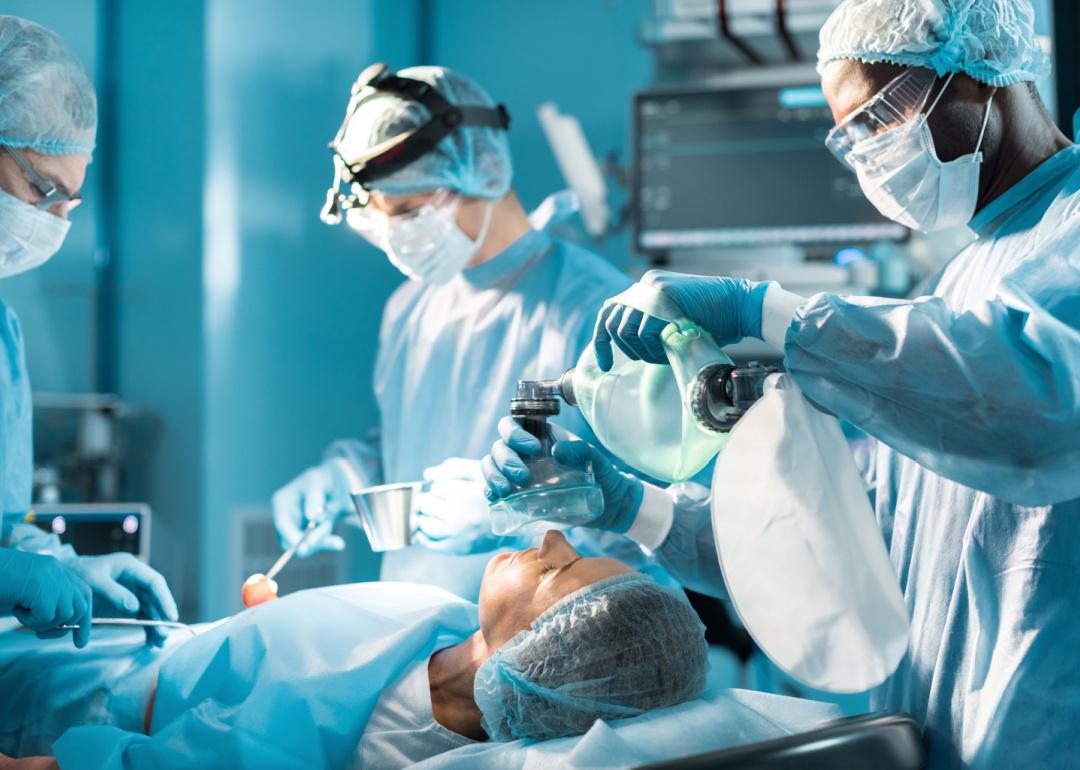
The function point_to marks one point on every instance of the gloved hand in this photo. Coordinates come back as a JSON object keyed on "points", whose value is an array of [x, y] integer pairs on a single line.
{"points": [[43, 594], [126, 587], [318, 494], [452, 515], [727, 308], [505, 470]]}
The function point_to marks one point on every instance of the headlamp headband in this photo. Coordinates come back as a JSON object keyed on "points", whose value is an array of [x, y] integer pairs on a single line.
{"points": [[399, 151]]}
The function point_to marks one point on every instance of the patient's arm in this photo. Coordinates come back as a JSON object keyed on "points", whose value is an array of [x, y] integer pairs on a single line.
{"points": [[28, 763]]}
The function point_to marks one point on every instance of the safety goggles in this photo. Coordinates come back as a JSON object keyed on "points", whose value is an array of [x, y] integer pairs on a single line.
{"points": [[374, 224], [895, 104], [51, 193]]}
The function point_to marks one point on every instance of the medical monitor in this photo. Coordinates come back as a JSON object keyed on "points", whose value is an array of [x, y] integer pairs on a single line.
{"points": [[98, 528], [740, 163]]}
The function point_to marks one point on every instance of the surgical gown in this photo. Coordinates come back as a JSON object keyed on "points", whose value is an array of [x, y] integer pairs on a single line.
{"points": [[17, 443], [973, 396], [449, 360], [289, 684]]}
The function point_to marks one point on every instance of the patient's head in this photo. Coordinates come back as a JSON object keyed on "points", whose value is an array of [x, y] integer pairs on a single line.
{"points": [[580, 639]]}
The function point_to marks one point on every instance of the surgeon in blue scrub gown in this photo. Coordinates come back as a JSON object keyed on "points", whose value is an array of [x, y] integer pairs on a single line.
{"points": [[972, 391], [489, 301], [48, 119]]}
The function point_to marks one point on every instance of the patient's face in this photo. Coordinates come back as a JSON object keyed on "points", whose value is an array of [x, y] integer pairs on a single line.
{"points": [[519, 586]]}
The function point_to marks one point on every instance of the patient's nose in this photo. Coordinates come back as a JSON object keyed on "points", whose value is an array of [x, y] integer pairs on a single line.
{"points": [[555, 549]]}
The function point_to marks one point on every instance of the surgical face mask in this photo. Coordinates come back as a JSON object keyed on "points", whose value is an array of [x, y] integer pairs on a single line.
{"points": [[426, 245], [900, 173], [28, 236]]}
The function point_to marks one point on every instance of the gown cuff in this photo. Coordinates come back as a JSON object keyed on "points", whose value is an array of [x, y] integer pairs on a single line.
{"points": [[655, 515], [777, 310]]}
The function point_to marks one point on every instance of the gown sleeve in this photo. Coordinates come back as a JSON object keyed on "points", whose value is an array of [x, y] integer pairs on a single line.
{"points": [[689, 550], [27, 537], [988, 397]]}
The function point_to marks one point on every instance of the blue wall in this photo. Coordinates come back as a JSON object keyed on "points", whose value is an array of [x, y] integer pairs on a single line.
{"points": [[159, 63], [583, 55], [292, 305]]}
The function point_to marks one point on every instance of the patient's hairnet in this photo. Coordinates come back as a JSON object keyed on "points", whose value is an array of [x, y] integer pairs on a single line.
{"points": [[612, 650], [474, 161], [47, 102], [993, 41]]}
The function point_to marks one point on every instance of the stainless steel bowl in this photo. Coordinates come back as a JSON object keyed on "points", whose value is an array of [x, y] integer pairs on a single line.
{"points": [[386, 512]]}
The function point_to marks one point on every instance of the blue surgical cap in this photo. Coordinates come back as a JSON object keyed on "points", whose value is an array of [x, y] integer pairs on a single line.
{"points": [[993, 41], [473, 161], [614, 649], [47, 102]]}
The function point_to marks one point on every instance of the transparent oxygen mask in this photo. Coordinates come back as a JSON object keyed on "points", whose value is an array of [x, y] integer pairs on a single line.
{"points": [[556, 496]]}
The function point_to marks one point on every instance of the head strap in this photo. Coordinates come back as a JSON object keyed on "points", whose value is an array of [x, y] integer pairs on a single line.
{"points": [[395, 153]]}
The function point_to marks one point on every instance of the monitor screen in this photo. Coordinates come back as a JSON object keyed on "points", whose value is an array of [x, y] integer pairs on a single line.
{"points": [[721, 167], [93, 530]]}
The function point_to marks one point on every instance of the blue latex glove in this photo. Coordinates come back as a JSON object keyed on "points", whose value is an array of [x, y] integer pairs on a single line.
{"points": [[452, 515], [126, 587], [42, 594], [505, 470], [318, 494], [727, 308]]}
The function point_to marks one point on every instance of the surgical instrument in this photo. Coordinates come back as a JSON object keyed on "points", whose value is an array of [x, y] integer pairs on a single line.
{"points": [[145, 623], [259, 588]]}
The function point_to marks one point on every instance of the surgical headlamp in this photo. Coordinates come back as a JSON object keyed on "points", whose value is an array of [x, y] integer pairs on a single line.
{"points": [[360, 171]]}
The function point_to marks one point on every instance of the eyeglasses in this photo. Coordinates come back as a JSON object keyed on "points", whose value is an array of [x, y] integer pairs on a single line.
{"points": [[51, 193], [895, 104]]}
